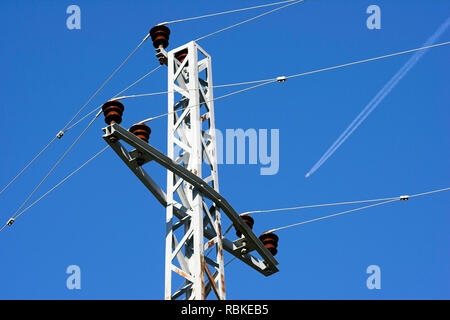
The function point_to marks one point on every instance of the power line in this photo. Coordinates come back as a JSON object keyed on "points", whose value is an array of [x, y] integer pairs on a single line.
{"points": [[56, 164], [268, 81], [282, 78], [248, 20], [368, 60], [68, 150], [28, 165], [107, 80], [115, 96], [166, 92], [66, 127], [142, 95], [56, 186], [429, 192], [402, 198], [331, 215], [225, 12], [317, 206], [199, 104], [62, 181]]}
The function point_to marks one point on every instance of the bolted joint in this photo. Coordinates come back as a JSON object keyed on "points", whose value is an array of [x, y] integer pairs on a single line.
{"points": [[281, 79], [404, 198], [161, 55], [10, 222], [60, 134], [244, 250]]}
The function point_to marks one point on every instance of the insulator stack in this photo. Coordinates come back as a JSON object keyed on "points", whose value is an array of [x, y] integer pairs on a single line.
{"points": [[160, 36], [113, 111], [270, 241], [248, 221], [141, 130], [181, 55]]}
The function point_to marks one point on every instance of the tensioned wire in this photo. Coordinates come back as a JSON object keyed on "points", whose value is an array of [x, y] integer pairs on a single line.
{"points": [[69, 149], [73, 144], [58, 184], [115, 96], [300, 74], [355, 210], [66, 127], [277, 79], [311, 72], [248, 20], [225, 12], [18, 212]]}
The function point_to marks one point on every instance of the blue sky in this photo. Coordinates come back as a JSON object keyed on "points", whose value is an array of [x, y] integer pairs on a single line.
{"points": [[106, 222]]}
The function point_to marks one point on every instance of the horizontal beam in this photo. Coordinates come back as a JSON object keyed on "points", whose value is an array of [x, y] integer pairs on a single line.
{"points": [[268, 266]]}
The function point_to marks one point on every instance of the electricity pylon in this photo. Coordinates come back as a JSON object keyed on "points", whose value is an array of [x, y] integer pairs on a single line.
{"points": [[193, 202], [191, 142]]}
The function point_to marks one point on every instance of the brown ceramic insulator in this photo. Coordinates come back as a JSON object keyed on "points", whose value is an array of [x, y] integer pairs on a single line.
{"points": [[248, 221], [270, 241], [160, 36], [141, 130], [181, 55], [113, 111]]}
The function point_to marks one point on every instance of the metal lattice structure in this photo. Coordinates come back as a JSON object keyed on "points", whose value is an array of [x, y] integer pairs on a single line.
{"points": [[192, 201], [191, 142]]}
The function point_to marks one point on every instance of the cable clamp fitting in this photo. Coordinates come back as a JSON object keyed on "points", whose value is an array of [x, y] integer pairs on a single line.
{"points": [[404, 198], [282, 79], [60, 134], [10, 222]]}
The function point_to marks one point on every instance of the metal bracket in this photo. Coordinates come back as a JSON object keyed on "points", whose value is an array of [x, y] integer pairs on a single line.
{"points": [[161, 54], [267, 266]]}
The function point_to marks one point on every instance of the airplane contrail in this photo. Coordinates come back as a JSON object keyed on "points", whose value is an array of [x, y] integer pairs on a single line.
{"points": [[370, 107]]}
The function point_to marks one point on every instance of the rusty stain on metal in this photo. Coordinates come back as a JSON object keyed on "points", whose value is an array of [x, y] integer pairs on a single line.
{"points": [[202, 276], [210, 243], [211, 277], [220, 252], [182, 273]]}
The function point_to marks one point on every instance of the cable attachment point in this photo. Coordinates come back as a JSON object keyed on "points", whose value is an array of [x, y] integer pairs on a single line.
{"points": [[161, 54], [281, 79], [60, 134], [10, 222], [404, 198]]}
